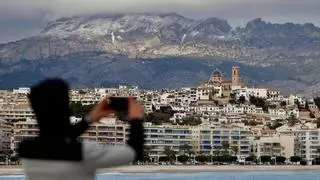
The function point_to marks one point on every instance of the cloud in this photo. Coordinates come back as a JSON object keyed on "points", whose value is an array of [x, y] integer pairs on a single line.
{"points": [[59, 8], [38, 12]]}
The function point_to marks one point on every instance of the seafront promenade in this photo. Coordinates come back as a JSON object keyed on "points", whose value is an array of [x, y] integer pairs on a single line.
{"points": [[17, 170]]}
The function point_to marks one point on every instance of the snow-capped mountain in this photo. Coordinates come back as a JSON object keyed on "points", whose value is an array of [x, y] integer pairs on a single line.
{"points": [[140, 36], [143, 35], [156, 35]]}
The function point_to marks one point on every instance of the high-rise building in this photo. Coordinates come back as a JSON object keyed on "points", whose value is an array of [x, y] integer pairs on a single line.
{"points": [[181, 139], [217, 141], [17, 112], [306, 142], [5, 139], [176, 138]]}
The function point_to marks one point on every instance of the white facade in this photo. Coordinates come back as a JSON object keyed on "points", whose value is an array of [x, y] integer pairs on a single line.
{"points": [[22, 90], [203, 94], [306, 142], [257, 92], [294, 98], [274, 95], [218, 91], [178, 116]]}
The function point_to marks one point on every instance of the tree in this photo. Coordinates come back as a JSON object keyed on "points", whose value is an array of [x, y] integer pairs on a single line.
{"points": [[146, 152], [259, 102], [317, 101], [272, 106], [251, 158], [158, 118], [250, 123], [318, 151], [265, 159], [233, 158], [312, 115], [318, 122], [164, 159], [170, 154], [191, 121], [295, 159], [185, 148], [235, 150], [280, 159], [316, 161], [242, 99], [202, 158], [79, 110], [183, 158], [297, 103], [167, 110], [307, 106], [275, 125], [225, 145], [216, 152], [292, 120], [303, 162], [225, 158], [14, 159], [232, 101], [232, 95], [283, 103]]}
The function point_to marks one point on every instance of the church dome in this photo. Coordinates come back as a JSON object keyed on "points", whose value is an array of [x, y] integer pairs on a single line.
{"points": [[216, 73]]}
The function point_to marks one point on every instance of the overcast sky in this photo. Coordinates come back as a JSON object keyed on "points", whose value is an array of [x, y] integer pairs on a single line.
{"points": [[23, 18]]}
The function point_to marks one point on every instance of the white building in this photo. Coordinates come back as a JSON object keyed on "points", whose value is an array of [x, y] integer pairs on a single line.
{"points": [[274, 95], [278, 112], [203, 94], [274, 146], [296, 98], [218, 91], [257, 92], [178, 116], [210, 140], [306, 144], [21, 90]]}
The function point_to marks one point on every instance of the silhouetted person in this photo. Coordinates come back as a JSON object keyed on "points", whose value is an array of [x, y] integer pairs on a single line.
{"points": [[56, 153]]}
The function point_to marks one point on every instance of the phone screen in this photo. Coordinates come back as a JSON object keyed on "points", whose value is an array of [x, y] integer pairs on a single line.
{"points": [[119, 104]]}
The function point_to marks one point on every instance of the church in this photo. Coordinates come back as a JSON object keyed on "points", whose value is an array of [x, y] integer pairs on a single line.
{"points": [[222, 87]]}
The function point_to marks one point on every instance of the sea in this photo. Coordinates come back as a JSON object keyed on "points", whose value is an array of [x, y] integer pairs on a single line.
{"points": [[201, 176]]}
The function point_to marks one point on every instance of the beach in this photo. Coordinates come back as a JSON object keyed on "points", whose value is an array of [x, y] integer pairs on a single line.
{"points": [[16, 170]]}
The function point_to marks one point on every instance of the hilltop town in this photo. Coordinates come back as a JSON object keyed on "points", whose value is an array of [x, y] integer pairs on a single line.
{"points": [[219, 117]]}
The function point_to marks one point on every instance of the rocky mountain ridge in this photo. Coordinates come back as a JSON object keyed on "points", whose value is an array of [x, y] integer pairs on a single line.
{"points": [[293, 47], [158, 35]]}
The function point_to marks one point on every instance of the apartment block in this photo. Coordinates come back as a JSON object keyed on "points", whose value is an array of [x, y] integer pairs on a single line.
{"points": [[267, 146], [306, 142], [212, 141], [166, 136], [24, 130], [100, 133], [14, 113], [5, 139]]}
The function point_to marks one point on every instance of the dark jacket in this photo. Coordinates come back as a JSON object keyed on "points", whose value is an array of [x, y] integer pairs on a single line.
{"points": [[56, 153]]}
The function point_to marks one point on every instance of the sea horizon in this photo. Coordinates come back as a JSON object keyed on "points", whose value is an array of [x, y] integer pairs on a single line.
{"points": [[261, 175]]}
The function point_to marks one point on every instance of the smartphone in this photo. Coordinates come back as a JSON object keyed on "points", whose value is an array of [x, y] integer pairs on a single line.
{"points": [[119, 104]]}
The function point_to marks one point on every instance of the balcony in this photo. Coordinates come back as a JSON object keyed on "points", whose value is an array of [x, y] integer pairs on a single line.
{"points": [[106, 128]]}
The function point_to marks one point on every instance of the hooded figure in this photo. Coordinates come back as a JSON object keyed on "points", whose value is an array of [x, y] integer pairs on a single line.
{"points": [[56, 153]]}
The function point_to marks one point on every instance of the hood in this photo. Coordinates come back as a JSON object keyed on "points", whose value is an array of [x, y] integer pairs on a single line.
{"points": [[50, 102]]}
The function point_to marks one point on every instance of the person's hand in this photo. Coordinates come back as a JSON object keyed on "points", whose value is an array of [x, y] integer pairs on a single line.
{"points": [[135, 110], [99, 111]]}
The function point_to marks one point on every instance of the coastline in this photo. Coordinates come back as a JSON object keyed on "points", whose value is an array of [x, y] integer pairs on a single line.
{"points": [[17, 170]]}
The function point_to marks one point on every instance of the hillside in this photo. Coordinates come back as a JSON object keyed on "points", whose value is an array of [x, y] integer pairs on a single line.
{"points": [[127, 38]]}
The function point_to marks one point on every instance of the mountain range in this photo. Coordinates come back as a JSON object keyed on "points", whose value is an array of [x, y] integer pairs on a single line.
{"points": [[164, 51]]}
